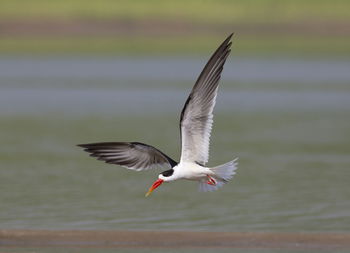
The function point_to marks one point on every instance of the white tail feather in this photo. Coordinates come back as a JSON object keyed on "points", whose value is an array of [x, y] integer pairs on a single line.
{"points": [[223, 173]]}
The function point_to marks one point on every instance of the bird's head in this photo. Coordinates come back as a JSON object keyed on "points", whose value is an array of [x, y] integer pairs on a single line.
{"points": [[163, 177]]}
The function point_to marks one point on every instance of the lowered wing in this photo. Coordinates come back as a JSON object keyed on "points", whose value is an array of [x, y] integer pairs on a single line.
{"points": [[131, 155]]}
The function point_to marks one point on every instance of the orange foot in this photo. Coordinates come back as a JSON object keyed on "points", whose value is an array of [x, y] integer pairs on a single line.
{"points": [[211, 180]]}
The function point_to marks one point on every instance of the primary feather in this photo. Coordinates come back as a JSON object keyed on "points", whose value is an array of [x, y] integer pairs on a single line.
{"points": [[131, 155], [197, 115]]}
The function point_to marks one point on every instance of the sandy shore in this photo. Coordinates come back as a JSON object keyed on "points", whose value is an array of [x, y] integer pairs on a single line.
{"points": [[171, 239], [119, 27]]}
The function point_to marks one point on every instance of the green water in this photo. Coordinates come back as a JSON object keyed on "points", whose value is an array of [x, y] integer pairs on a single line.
{"points": [[293, 148]]}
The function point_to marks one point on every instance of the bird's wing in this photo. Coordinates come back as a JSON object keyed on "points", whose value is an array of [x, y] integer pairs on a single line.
{"points": [[131, 155], [197, 115]]}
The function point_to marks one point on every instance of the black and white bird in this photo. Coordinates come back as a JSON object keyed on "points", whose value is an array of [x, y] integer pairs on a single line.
{"points": [[195, 126]]}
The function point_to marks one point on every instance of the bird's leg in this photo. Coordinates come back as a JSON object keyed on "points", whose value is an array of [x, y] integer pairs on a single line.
{"points": [[211, 180]]}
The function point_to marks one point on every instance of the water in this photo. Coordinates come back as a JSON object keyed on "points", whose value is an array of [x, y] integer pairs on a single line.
{"points": [[177, 68], [286, 120]]}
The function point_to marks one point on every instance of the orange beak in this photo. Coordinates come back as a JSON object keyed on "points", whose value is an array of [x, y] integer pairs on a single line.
{"points": [[157, 183]]}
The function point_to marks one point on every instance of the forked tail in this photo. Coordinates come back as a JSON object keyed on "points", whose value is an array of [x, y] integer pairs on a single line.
{"points": [[222, 174]]}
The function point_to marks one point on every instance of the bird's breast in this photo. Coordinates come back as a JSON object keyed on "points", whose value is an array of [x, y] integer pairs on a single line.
{"points": [[190, 171]]}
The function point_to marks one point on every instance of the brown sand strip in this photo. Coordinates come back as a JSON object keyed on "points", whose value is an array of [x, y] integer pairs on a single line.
{"points": [[161, 27], [171, 239]]}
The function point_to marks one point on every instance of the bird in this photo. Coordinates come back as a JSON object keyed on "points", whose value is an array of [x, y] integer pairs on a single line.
{"points": [[196, 122]]}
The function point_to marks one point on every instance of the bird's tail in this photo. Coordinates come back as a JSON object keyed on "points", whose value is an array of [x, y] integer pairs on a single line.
{"points": [[222, 174]]}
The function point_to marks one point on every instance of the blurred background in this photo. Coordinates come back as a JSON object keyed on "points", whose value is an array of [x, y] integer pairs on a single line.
{"points": [[74, 71], [312, 28]]}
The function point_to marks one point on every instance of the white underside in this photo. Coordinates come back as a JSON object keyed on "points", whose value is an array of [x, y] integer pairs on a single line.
{"points": [[191, 171]]}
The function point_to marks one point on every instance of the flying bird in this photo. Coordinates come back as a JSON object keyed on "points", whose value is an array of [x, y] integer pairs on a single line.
{"points": [[195, 127]]}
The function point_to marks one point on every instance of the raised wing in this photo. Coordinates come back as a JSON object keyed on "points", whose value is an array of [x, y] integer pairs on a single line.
{"points": [[197, 115], [131, 155]]}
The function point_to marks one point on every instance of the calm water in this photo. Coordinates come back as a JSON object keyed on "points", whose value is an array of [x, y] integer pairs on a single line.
{"points": [[286, 120]]}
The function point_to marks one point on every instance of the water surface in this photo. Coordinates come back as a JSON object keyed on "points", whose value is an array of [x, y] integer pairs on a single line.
{"points": [[286, 120]]}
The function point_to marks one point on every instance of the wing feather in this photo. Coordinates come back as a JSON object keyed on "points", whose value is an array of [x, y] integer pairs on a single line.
{"points": [[131, 155], [197, 115]]}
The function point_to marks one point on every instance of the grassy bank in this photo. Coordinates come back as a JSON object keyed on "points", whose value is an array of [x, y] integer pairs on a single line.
{"points": [[302, 28], [221, 11], [291, 46]]}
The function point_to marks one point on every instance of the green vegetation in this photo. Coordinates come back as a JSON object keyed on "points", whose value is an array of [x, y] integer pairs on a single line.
{"points": [[209, 11], [291, 27], [131, 46]]}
